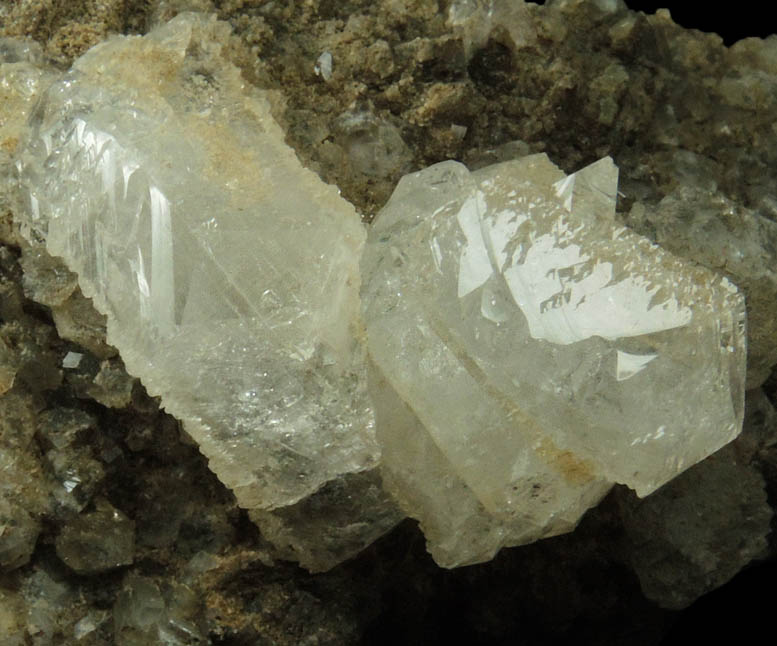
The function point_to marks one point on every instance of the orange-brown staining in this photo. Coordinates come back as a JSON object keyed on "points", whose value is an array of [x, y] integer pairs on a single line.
{"points": [[576, 470]]}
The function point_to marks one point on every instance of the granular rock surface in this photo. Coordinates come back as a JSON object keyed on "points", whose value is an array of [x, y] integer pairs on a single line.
{"points": [[688, 121]]}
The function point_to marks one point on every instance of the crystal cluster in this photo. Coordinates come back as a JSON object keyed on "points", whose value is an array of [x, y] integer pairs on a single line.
{"points": [[513, 351]]}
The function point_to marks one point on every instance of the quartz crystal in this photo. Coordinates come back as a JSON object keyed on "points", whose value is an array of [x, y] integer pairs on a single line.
{"points": [[97, 541], [227, 271], [529, 352]]}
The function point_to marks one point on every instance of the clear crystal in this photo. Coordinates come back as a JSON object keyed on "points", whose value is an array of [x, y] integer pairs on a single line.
{"points": [[227, 271], [530, 352]]}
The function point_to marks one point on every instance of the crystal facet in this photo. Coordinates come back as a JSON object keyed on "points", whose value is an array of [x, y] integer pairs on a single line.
{"points": [[228, 272], [529, 352]]}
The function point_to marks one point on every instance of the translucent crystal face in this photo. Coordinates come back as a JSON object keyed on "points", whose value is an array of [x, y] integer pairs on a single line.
{"points": [[545, 351], [228, 272]]}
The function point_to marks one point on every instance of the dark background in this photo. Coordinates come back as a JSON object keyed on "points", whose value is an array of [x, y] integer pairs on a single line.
{"points": [[732, 20]]}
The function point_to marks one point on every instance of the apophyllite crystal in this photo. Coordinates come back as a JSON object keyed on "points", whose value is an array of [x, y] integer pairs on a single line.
{"points": [[525, 351], [529, 352]]}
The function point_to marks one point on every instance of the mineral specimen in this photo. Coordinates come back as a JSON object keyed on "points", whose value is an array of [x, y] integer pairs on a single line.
{"points": [[227, 271], [529, 352], [98, 540], [552, 91], [145, 614], [701, 529], [525, 351]]}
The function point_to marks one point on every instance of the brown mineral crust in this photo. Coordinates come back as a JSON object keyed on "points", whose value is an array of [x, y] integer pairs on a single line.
{"points": [[69, 28]]}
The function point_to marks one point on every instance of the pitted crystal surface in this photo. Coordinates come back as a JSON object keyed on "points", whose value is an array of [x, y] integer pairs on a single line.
{"points": [[538, 352]]}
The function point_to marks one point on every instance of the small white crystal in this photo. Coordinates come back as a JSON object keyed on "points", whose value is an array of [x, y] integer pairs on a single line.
{"points": [[459, 131], [85, 626], [72, 360], [323, 66]]}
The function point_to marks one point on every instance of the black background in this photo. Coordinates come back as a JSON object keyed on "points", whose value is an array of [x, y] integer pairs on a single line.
{"points": [[732, 20]]}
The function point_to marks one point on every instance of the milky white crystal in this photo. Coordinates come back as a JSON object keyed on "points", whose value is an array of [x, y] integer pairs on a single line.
{"points": [[529, 352], [228, 272]]}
